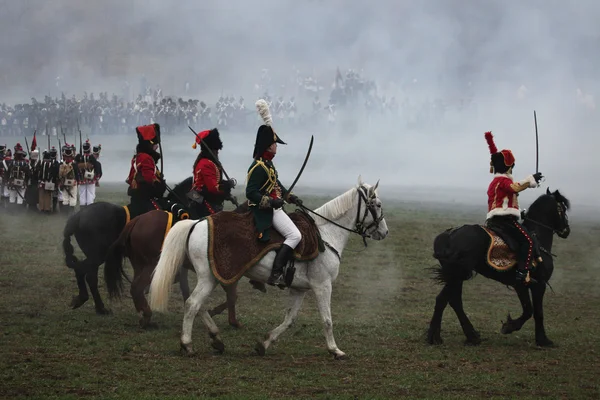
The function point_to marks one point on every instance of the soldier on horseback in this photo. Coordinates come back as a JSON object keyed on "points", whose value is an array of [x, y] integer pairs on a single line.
{"points": [[503, 205], [209, 190], [266, 196], [146, 183]]}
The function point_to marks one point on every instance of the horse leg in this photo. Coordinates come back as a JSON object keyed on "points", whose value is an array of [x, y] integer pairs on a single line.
{"points": [[435, 326], [192, 305], [138, 284], [92, 280], [221, 307], [323, 295], [538, 291], [512, 325], [231, 292], [83, 296], [183, 283], [296, 298], [455, 300]]}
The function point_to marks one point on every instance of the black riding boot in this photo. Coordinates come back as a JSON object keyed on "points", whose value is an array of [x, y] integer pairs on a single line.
{"points": [[281, 259]]}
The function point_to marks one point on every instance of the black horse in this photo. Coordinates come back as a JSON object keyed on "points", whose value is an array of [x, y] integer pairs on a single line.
{"points": [[95, 228], [462, 251]]}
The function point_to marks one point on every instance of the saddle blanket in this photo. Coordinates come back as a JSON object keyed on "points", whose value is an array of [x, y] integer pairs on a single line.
{"points": [[233, 247]]}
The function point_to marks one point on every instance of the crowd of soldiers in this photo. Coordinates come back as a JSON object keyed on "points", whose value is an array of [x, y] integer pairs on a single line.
{"points": [[307, 105], [52, 184]]}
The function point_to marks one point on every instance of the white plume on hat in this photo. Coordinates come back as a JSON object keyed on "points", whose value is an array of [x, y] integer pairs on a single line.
{"points": [[263, 110]]}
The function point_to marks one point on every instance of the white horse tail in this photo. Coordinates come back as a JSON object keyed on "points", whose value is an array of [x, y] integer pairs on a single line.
{"points": [[172, 257]]}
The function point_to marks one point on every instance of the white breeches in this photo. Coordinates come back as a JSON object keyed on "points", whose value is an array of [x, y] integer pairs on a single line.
{"points": [[87, 194], [13, 195], [69, 196], [5, 192], [284, 225]]}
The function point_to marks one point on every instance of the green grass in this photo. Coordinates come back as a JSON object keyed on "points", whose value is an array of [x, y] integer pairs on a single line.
{"points": [[382, 303]]}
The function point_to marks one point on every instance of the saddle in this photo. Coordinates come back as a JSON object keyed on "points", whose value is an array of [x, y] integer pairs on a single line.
{"points": [[233, 247], [502, 250]]}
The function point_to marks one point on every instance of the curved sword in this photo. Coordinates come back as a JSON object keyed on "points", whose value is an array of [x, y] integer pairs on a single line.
{"points": [[289, 190], [537, 147]]}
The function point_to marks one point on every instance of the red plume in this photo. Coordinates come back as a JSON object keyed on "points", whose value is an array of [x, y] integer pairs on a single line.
{"points": [[33, 143], [490, 141]]}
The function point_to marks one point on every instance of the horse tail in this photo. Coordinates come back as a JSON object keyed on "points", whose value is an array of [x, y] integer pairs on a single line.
{"points": [[451, 267], [173, 255], [113, 266], [70, 229]]}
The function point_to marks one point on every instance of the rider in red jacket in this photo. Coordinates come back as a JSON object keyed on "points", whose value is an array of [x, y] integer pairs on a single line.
{"points": [[503, 204], [209, 190]]}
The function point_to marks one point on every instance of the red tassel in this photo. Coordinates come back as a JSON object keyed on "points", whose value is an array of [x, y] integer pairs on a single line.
{"points": [[490, 141]]}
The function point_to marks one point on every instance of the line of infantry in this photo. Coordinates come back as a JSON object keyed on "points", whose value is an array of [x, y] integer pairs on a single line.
{"points": [[266, 195], [52, 184]]}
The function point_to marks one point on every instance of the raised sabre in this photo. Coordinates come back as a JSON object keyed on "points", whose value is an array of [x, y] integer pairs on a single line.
{"points": [[537, 147], [289, 190]]}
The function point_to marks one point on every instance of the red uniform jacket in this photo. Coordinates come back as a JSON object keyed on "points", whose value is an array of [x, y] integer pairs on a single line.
{"points": [[503, 194], [143, 168], [207, 177]]}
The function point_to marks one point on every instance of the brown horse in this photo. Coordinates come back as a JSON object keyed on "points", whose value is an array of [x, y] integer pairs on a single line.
{"points": [[141, 241]]}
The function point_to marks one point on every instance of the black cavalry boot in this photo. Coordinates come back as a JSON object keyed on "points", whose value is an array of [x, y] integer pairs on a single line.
{"points": [[523, 275], [284, 254]]}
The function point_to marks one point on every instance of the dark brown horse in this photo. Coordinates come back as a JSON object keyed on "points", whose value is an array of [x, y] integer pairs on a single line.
{"points": [[141, 241]]}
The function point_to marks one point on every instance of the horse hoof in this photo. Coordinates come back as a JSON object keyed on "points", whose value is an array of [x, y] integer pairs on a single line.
{"points": [[148, 325], [218, 345], [434, 338], [77, 302], [473, 341], [186, 349], [545, 343], [339, 355], [103, 311], [259, 286], [236, 324], [260, 349]]}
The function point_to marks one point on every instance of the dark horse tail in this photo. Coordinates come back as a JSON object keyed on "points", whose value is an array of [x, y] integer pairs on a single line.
{"points": [[451, 267], [70, 229], [113, 266]]}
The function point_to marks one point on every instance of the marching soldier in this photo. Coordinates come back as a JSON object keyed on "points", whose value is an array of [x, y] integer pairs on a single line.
{"points": [[86, 165], [266, 196], [503, 204], [67, 179], [31, 193], [3, 181], [47, 176], [19, 173], [96, 153], [209, 190], [146, 183]]}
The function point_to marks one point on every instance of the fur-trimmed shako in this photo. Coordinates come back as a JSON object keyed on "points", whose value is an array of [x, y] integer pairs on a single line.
{"points": [[501, 161], [96, 150], [46, 155], [148, 133], [209, 138], [53, 152], [19, 150], [265, 136]]}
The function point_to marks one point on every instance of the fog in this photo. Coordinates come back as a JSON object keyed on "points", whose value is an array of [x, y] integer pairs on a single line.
{"points": [[421, 50]]}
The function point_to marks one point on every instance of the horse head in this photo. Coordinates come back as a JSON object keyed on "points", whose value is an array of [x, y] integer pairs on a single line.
{"points": [[369, 217], [550, 211]]}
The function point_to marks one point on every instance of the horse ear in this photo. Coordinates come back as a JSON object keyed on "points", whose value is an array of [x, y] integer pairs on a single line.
{"points": [[375, 187], [360, 181], [548, 190]]}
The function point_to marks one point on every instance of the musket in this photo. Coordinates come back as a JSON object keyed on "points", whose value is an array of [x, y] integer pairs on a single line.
{"points": [[217, 162], [537, 147], [63, 133], [289, 190], [27, 144], [48, 136], [80, 139]]}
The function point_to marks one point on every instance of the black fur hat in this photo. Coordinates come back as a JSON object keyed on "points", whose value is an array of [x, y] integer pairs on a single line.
{"points": [[210, 138]]}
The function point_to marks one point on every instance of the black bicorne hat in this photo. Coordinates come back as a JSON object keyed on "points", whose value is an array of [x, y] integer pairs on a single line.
{"points": [[265, 137]]}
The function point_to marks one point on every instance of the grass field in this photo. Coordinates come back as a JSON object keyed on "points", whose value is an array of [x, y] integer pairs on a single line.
{"points": [[382, 303]]}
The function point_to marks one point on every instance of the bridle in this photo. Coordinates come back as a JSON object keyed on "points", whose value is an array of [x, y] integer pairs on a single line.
{"points": [[359, 227], [561, 211]]}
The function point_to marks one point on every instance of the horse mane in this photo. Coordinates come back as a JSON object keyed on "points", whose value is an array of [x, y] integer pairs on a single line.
{"points": [[556, 195], [181, 189], [337, 207]]}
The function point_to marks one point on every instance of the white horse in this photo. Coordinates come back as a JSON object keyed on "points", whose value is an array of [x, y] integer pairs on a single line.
{"points": [[359, 210]]}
